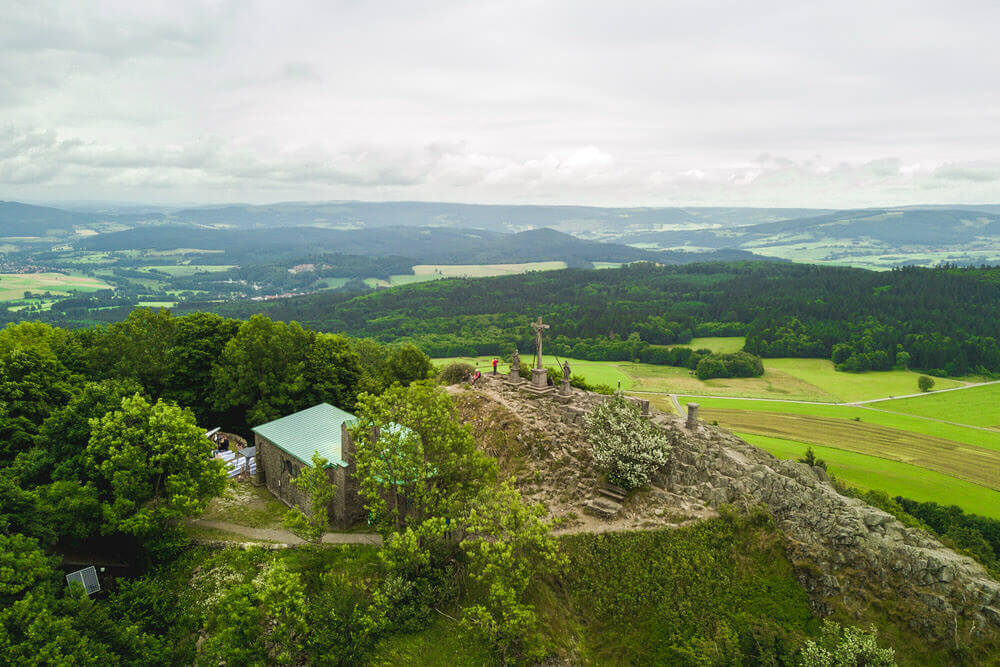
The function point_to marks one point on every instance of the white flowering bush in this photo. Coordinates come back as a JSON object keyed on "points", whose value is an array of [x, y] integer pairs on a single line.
{"points": [[624, 445], [846, 647]]}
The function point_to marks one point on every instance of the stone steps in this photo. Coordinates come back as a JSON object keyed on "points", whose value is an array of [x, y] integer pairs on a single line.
{"points": [[602, 507], [613, 492]]}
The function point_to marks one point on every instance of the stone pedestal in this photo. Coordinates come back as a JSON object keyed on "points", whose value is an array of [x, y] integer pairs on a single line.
{"points": [[692, 419], [514, 378], [539, 383], [565, 389]]}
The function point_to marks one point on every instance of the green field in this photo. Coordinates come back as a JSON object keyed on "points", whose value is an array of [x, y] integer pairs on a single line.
{"points": [[14, 285], [793, 379], [980, 465], [178, 270], [893, 477], [482, 270], [717, 344], [965, 434], [979, 406]]}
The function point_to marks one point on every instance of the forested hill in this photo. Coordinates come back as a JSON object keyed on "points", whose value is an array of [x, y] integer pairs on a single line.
{"points": [[936, 319], [428, 245]]}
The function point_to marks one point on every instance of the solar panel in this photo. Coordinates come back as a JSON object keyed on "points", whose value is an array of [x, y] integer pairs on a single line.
{"points": [[87, 577]]}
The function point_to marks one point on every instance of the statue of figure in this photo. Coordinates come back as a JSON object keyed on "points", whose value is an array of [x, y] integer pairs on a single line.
{"points": [[565, 371], [515, 362]]}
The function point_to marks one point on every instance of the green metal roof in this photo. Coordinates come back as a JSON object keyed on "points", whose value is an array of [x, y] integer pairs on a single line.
{"points": [[315, 429]]}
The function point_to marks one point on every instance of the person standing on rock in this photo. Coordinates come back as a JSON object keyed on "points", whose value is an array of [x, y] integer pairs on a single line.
{"points": [[495, 361]]}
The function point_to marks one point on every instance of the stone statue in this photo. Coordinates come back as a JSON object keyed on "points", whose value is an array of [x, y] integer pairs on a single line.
{"points": [[565, 371], [515, 362]]}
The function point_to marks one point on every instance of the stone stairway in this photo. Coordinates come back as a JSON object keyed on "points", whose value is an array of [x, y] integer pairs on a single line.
{"points": [[607, 504]]}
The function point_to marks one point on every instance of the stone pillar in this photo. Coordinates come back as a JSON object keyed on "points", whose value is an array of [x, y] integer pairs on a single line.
{"points": [[539, 378], [692, 420], [565, 389]]}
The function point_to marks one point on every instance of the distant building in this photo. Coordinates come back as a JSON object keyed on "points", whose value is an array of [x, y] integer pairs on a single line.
{"points": [[286, 445]]}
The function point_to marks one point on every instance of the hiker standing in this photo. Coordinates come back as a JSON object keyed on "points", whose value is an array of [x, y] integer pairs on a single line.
{"points": [[495, 360]]}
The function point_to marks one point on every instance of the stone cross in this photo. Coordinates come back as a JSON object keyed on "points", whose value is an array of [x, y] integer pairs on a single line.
{"points": [[538, 327]]}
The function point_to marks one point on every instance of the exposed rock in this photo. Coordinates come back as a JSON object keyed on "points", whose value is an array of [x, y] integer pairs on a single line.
{"points": [[847, 554]]}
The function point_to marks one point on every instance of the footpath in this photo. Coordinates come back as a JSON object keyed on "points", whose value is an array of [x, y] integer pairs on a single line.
{"points": [[280, 536]]}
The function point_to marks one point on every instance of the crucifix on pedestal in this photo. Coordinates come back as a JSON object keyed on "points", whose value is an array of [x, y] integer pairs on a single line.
{"points": [[539, 377]]}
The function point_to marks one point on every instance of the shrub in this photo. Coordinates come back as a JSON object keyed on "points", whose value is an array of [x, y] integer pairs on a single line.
{"points": [[455, 372], [846, 646], [626, 446], [925, 382]]}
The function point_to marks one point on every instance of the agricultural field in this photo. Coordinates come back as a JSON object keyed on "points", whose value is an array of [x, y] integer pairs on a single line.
{"points": [[978, 437], [14, 285], [483, 270], [978, 406], [893, 477], [723, 344], [980, 465], [178, 270], [790, 379]]}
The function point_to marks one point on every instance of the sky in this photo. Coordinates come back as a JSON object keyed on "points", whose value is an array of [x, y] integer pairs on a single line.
{"points": [[841, 104]]}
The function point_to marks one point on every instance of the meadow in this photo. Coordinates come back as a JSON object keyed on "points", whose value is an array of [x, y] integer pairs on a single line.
{"points": [[979, 406], [14, 285], [790, 379], [894, 477], [483, 270], [980, 465]]}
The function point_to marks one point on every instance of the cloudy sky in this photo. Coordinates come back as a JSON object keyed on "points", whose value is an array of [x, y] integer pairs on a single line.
{"points": [[847, 103]]}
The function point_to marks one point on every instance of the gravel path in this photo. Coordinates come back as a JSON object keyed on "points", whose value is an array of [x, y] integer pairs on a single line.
{"points": [[284, 536]]}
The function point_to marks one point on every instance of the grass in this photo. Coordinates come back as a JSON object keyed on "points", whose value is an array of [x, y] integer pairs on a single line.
{"points": [[483, 270], [410, 278], [956, 433], [852, 386], [156, 304], [792, 379], [14, 285], [979, 406], [893, 477], [191, 269], [724, 344], [246, 505], [979, 465]]}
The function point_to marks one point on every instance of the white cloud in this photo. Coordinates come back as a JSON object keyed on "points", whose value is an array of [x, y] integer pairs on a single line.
{"points": [[640, 103]]}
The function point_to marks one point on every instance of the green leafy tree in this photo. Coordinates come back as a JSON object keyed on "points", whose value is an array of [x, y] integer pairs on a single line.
{"points": [[261, 371], [408, 364], [315, 483], [257, 622], [925, 383], [624, 445], [414, 459], [508, 546], [64, 435], [332, 371], [846, 647], [139, 348], [198, 342], [32, 385], [152, 466]]}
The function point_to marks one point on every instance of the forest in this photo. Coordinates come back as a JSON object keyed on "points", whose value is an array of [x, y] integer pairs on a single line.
{"points": [[938, 320]]}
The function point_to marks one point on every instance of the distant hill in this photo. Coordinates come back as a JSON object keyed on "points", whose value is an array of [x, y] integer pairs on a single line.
{"points": [[892, 227], [427, 245], [17, 219]]}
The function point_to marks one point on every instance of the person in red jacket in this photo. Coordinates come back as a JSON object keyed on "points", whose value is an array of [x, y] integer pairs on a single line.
{"points": [[495, 360]]}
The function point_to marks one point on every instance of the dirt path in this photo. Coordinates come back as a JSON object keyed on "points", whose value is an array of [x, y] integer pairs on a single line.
{"points": [[284, 536]]}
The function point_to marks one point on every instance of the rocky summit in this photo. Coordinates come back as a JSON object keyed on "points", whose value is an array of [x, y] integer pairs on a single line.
{"points": [[847, 554]]}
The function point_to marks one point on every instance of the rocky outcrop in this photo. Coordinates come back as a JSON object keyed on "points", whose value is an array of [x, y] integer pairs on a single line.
{"points": [[844, 549], [848, 555]]}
